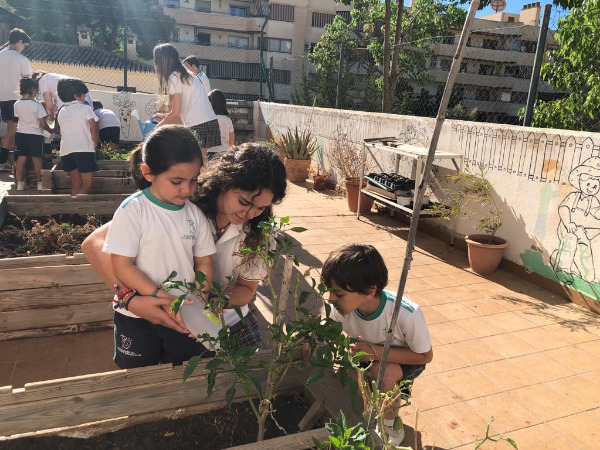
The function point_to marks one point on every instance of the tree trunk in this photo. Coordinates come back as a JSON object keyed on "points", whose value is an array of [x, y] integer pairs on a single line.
{"points": [[386, 100]]}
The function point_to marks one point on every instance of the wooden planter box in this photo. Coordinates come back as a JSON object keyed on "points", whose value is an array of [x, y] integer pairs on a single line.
{"points": [[45, 205], [49, 295]]}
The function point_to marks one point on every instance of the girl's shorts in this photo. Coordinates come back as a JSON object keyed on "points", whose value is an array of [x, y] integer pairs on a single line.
{"points": [[207, 133], [84, 162], [29, 145]]}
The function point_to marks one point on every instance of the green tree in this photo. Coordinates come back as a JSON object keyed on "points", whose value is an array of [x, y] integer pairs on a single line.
{"points": [[57, 21], [574, 68], [397, 40]]}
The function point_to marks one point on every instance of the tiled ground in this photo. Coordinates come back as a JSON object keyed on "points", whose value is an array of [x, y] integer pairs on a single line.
{"points": [[502, 347]]}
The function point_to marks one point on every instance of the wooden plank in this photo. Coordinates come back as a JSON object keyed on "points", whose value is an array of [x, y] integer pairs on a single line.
{"points": [[63, 177], [3, 207], [108, 164], [329, 392], [43, 260], [25, 319], [37, 277], [114, 402], [107, 185], [26, 299], [45, 205], [56, 331], [296, 441], [312, 416]]}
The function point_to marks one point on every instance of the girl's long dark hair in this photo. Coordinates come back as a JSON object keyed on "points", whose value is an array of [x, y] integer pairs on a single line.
{"points": [[218, 102], [249, 167], [166, 61], [164, 147]]}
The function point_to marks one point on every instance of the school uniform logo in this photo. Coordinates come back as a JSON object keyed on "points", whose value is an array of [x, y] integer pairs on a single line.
{"points": [[193, 230], [125, 342]]}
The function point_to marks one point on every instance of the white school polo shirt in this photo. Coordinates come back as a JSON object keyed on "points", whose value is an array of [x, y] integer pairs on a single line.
{"points": [[195, 106], [204, 80], [49, 83], [13, 67], [106, 118], [29, 112], [229, 261], [411, 329], [76, 135], [161, 237]]}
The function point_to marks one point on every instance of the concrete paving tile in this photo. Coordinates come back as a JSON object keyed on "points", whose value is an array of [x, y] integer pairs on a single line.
{"points": [[508, 415], [542, 367], [457, 424], [467, 383], [511, 321], [466, 278], [445, 358], [581, 429], [538, 437], [578, 390], [455, 311], [432, 315], [571, 333], [538, 315], [463, 293], [508, 346], [539, 338], [475, 352], [430, 393], [506, 375], [442, 281], [480, 326], [428, 437], [448, 332], [542, 402], [484, 306], [447, 269], [575, 357], [592, 347]]}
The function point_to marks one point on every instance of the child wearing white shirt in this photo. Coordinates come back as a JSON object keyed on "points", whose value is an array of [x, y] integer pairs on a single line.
{"points": [[79, 135], [29, 139]]}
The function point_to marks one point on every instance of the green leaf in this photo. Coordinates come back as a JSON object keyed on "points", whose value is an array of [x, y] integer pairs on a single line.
{"points": [[229, 395], [200, 277], [190, 366], [397, 423], [511, 442], [257, 384], [177, 304], [298, 229], [212, 377], [315, 376], [214, 363]]}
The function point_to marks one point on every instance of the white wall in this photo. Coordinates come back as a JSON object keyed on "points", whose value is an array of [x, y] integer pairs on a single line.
{"points": [[529, 169]]}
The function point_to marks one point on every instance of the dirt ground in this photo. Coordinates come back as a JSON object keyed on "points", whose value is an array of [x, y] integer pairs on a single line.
{"points": [[58, 234], [219, 429]]}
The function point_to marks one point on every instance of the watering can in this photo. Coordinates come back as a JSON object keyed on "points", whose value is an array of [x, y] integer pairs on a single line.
{"points": [[147, 126]]}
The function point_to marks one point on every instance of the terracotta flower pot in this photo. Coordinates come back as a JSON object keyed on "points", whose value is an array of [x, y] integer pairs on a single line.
{"points": [[352, 190], [296, 169], [485, 256], [320, 184]]}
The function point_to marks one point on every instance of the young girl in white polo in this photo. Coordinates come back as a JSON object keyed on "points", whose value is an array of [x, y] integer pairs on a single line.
{"points": [[154, 232], [29, 139]]}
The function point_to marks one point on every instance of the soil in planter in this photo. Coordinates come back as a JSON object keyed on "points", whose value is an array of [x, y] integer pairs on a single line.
{"points": [[218, 429], [57, 234]]}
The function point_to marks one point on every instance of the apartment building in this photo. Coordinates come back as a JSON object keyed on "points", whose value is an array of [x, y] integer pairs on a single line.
{"points": [[496, 70], [229, 37]]}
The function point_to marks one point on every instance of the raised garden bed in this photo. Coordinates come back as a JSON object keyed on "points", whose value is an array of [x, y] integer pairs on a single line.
{"points": [[114, 177]]}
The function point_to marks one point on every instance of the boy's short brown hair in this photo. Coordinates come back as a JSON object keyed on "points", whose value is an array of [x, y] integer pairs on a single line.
{"points": [[355, 268], [16, 35]]}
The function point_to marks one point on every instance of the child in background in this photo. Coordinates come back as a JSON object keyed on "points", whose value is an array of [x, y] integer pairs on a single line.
{"points": [[219, 105], [356, 275], [109, 124], [29, 139], [153, 232], [79, 135]]}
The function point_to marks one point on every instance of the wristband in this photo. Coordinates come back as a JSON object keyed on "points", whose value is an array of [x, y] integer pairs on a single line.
{"points": [[129, 298], [123, 295], [155, 293]]}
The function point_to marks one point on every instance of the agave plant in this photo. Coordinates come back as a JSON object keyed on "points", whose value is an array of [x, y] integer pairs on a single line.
{"points": [[298, 144]]}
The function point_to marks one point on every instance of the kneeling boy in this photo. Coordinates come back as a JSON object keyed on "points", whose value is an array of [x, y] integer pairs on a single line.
{"points": [[356, 275]]}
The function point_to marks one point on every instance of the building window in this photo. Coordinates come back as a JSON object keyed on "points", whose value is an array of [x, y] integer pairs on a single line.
{"points": [[433, 63], [510, 19], [202, 6], [449, 40], [344, 15], [238, 11], [518, 71], [319, 20], [284, 13], [445, 64], [483, 95], [463, 67], [84, 35], [203, 38], [171, 4], [130, 41], [277, 45], [528, 46], [175, 37], [486, 69], [518, 97], [490, 44], [239, 42]]}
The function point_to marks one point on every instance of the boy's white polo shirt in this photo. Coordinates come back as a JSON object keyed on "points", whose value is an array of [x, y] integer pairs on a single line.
{"points": [[14, 66], [76, 135], [229, 261], [411, 329], [29, 112], [49, 83], [161, 237]]}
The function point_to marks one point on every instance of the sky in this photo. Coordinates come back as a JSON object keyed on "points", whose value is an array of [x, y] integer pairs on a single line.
{"points": [[515, 6]]}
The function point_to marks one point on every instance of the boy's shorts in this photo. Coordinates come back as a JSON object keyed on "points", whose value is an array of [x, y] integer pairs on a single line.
{"points": [[84, 162], [139, 343], [29, 145], [110, 134], [409, 371], [7, 111]]}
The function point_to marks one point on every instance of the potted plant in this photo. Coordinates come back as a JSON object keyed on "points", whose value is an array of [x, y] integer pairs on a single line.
{"points": [[485, 250], [320, 178], [297, 148], [344, 158]]}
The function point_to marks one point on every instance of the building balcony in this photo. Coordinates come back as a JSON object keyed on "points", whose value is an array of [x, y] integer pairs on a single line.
{"points": [[215, 21], [504, 55]]}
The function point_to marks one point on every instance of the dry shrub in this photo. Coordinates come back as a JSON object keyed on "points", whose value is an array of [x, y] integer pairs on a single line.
{"points": [[344, 157]]}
